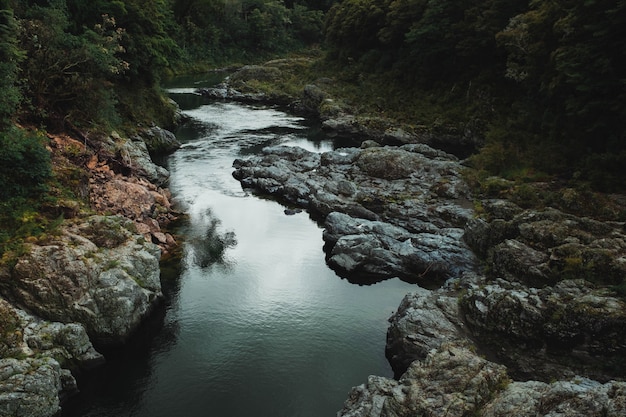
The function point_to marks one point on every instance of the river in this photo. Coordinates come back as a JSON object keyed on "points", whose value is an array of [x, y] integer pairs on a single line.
{"points": [[255, 323]]}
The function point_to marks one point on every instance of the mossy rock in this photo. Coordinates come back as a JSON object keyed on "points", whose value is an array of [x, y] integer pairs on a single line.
{"points": [[10, 330]]}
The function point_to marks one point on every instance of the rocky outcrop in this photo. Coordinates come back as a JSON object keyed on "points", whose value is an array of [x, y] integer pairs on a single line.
{"points": [[550, 333], [35, 361], [454, 381], [94, 277], [388, 211], [450, 381], [97, 272], [578, 397], [123, 180], [378, 249], [540, 248], [424, 321], [551, 305], [545, 316], [32, 387]]}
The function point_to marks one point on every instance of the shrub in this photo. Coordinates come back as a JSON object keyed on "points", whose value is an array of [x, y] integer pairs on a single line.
{"points": [[24, 164]]}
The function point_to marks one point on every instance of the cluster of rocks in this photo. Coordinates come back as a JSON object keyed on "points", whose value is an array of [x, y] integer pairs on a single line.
{"points": [[454, 381], [91, 281], [387, 211], [524, 309]]}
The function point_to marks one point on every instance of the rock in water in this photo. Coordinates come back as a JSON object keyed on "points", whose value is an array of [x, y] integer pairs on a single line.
{"points": [[389, 211]]}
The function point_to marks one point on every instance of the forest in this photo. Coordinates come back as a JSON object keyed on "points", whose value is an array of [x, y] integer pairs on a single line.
{"points": [[542, 82]]}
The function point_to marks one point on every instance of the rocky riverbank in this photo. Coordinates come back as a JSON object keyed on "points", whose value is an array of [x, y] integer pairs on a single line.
{"points": [[92, 280], [520, 308]]}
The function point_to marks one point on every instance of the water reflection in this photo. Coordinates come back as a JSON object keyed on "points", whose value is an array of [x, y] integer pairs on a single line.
{"points": [[206, 242]]}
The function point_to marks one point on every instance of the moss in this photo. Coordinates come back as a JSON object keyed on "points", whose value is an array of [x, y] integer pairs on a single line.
{"points": [[109, 231], [10, 330], [112, 264]]}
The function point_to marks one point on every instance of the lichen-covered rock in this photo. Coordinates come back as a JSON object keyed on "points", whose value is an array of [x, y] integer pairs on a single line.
{"points": [[450, 381], [424, 321], [135, 155], [35, 374], [67, 343], [30, 387], [540, 248], [389, 163], [10, 329], [97, 272], [550, 333], [579, 397], [515, 260]]}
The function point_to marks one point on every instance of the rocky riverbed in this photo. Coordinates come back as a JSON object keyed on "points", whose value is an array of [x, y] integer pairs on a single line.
{"points": [[92, 280], [519, 310]]}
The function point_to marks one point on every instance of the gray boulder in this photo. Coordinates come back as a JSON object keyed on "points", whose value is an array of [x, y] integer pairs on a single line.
{"points": [[135, 154], [158, 140], [379, 249], [550, 333], [578, 397], [451, 381], [455, 381], [424, 321], [97, 272], [31, 387]]}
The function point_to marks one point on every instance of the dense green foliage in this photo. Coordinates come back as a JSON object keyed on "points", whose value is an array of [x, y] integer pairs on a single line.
{"points": [[97, 64], [10, 56], [551, 73], [218, 30], [24, 164]]}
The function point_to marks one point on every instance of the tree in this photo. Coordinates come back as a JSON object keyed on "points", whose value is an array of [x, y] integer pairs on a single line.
{"points": [[352, 27], [10, 57], [24, 164], [68, 76]]}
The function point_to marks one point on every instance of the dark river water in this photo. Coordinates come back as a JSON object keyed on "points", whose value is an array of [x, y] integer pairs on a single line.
{"points": [[255, 323]]}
